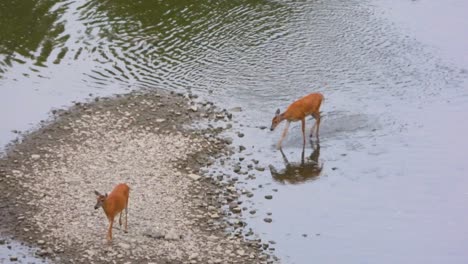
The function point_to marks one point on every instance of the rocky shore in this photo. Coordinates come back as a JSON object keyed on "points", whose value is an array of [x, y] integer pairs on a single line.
{"points": [[176, 214]]}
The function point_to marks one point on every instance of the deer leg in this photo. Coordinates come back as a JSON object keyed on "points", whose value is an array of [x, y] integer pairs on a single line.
{"points": [[303, 133], [313, 127], [285, 132], [126, 217], [109, 232], [316, 125], [120, 220]]}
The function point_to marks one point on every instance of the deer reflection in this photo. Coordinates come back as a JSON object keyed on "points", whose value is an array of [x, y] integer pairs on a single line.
{"points": [[298, 172]]}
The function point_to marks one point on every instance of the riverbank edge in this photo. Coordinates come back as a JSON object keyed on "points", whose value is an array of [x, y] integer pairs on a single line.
{"points": [[179, 112]]}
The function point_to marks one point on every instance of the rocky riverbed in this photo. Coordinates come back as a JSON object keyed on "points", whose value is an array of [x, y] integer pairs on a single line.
{"points": [[176, 214]]}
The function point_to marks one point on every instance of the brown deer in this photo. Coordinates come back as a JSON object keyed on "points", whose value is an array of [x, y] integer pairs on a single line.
{"points": [[297, 111], [114, 203]]}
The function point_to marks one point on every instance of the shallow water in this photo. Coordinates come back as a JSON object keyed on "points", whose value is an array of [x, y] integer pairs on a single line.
{"points": [[391, 183], [14, 252]]}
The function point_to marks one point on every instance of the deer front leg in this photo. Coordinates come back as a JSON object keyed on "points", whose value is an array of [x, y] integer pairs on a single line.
{"points": [[285, 132], [318, 126], [303, 133], [109, 232], [312, 130], [316, 116], [120, 220]]}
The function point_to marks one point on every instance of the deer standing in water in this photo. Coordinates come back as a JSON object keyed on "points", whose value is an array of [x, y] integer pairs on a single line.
{"points": [[297, 111], [114, 203]]}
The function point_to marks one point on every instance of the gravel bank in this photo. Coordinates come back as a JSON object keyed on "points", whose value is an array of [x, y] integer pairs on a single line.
{"points": [[48, 179]]}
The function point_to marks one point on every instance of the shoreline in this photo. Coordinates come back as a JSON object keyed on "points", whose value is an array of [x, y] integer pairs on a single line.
{"points": [[176, 214]]}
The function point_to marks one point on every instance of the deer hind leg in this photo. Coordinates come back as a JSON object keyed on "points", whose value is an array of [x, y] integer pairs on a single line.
{"points": [[285, 132], [120, 220], [126, 216]]}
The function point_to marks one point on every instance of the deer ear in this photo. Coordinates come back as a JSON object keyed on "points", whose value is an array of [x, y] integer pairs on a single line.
{"points": [[97, 193], [277, 112]]}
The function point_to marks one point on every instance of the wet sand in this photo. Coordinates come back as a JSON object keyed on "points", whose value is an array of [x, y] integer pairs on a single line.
{"points": [[176, 213]]}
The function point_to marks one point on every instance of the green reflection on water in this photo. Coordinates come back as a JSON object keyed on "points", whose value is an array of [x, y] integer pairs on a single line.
{"points": [[138, 33]]}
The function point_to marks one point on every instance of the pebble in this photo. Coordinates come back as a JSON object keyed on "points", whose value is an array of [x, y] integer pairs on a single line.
{"points": [[259, 168], [13, 258], [268, 220], [194, 176], [269, 196], [35, 156], [124, 245], [237, 168], [172, 235], [236, 109], [214, 216]]}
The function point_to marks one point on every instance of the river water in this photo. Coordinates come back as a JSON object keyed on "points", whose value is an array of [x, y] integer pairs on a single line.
{"points": [[392, 185]]}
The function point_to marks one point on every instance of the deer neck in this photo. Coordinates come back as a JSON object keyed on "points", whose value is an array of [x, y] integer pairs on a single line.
{"points": [[282, 117], [105, 207]]}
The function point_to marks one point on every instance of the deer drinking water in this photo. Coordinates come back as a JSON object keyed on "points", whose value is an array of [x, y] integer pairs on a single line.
{"points": [[114, 203], [298, 110]]}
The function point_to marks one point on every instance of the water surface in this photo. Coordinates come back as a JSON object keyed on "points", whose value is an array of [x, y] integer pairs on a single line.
{"points": [[391, 183]]}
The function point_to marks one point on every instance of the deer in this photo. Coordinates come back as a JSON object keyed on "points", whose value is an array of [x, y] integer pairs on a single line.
{"points": [[112, 204], [297, 111]]}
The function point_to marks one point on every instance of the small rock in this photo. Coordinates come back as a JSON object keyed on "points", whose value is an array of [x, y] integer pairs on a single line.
{"points": [[154, 234], [160, 120], [172, 235], [194, 108], [236, 109], [41, 242], [194, 176], [262, 127], [124, 245], [214, 216], [268, 220], [259, 168], [241, 148], [237, 168], [269, 196], [240, 134], [35, 156], [13, 258]]}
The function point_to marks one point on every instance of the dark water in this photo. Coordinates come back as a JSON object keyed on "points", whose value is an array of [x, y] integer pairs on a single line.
{"points": [[387, 184]]}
